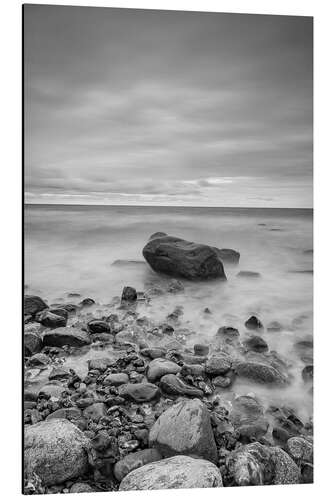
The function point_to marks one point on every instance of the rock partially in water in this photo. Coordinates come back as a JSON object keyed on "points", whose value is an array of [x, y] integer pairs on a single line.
{"points": [[256, 343], [159, 367], [247, 416], [100, 364], [153, 352], [228, 255], [56, 450], [39, 359], [51, 320], [185, 429], [135, 460], [59, 373], [116, 379], [66, 336], [139, 393], [129, 294], [307, 373], [95, 411], [173, 473], [201, 350], [178, 257], [274, 326], [87, 302], [33, 304], [53, 389], [218, 364], [260, 373], [72, 413], [248, 274], [174, 386], [253, 323], [32, 343], [158, 234], [98, 326], [175, 286]]}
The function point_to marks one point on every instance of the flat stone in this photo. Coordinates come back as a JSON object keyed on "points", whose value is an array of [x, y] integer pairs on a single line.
{"points": [[59, 373], [173, 473], [153, 352], [71, 413], [66, 336], [260, 373], [139, 393], [184, 429], [256, 343], [218, 364], [116, 379]]}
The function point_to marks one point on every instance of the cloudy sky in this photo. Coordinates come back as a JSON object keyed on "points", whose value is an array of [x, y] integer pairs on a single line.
{"points": [[167, 108]]}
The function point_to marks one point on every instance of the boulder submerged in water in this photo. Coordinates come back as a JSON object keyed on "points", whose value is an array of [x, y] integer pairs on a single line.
{"points": [[33, 304], [178, 257]]}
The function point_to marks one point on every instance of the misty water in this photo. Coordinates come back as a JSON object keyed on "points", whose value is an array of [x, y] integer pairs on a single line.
{"points": [[76, 249]]}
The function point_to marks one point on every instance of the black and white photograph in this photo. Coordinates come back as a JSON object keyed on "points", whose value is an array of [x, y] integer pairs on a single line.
{"points": [[168, 249]]}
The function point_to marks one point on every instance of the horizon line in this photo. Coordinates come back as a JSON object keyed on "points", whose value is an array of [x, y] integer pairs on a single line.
{"points": [[163, 206]]}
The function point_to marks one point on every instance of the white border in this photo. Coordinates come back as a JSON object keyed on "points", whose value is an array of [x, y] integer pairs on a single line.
{"points": [[11, 241]]}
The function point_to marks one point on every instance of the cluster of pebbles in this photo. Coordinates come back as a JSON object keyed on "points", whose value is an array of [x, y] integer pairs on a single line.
{"points": [[153, 415]]}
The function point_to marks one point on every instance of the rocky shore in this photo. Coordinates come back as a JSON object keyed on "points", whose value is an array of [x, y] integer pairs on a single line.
{"points": [[150, 411]]}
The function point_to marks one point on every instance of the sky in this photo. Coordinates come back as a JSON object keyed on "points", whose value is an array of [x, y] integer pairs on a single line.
{"points": [[139, 107]]}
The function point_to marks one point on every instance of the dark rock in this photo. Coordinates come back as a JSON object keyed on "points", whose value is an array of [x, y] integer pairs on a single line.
{"points": [[307, 373], [228, 333], [98, 326], [116, 379], [59, 373], [153, 352], [129, 294], [158, 234], [50, 320], [218, 364], [100, 364], [253, 323], [178, 257], [33, 304], [248, 274], [159, 367], [260, 373], [71, 413], [171, 384], [256, 343], [307, 473], [184, 429], [173, 473], [201, 350], [281, 435], [87, 302], [55, 450], [139, 393], [66, 336], [135, 460], [39, 359], [167, 329]]}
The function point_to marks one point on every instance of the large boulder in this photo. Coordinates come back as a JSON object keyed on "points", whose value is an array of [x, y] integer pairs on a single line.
{"points": [[33, 304], [56, 450], [66, 336], [173, 473], [185, 429], [178, 257]]}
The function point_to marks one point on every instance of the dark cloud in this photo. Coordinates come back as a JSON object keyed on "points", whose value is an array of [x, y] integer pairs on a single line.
{"points": [[134, 106]]}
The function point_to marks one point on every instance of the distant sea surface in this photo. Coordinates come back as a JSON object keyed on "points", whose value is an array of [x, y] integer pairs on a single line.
{"points": [[71, 248]]}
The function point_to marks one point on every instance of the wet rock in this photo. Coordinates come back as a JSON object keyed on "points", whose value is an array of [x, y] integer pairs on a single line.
{"points": [[247, 416], [32, 343], [98, 326], [51, 320], [178, 257], [139, 393], [153, 352], [71, 413], [248, 274], [256, 343], [129, 294], [87, 302], [274, 326], [173, 473], [59, 311], [116, 379], [253, 323], [222, 381], [158, 234], [228, 255], [192, 370], [59, 373], [135, 460], [228, 333], [300, 449], [175, 286], [173, 385], [201, 349], [260, 373], [256, 464], [184, 429], [66, 336], [307, 373], [95, 411], [55, 450], [307, 473], [159, 367], [33, 304], [218, 364]]}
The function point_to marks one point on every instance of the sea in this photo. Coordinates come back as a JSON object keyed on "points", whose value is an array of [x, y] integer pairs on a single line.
{"points": [[95, 251]]}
